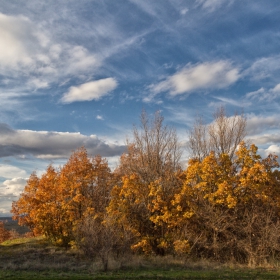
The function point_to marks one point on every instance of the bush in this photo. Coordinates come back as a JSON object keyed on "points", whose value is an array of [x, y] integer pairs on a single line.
{"points": [[4, 234]]}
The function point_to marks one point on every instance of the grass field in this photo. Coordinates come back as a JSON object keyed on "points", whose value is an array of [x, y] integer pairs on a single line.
{"points": [[35, 258]]}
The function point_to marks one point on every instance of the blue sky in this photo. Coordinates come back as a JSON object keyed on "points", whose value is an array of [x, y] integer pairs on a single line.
{"points": [[76, 73]]}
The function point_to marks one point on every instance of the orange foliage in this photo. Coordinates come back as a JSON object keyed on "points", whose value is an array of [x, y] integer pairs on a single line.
{"points": [[55, 203], [4, 234]]}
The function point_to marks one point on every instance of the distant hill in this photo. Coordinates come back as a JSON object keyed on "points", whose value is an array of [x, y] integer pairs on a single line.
{"points": [[10, 224]]}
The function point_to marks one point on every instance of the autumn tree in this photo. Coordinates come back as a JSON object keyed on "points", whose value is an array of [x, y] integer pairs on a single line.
{"points": [[94, 232], [49, 215], [4, 233], [229, 208], [57, 202], [40, 207], [257, 208], [222, 136], [149, 170], [24, 209]]}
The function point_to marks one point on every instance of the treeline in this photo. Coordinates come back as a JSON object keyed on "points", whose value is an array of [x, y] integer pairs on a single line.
{"points": [[224, 206]]}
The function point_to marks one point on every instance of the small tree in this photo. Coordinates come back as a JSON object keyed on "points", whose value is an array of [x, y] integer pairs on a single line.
{"points": [[98, 237], [4, 233]]}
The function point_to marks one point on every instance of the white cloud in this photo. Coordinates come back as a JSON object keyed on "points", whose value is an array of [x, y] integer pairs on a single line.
{"points": [[38, 83], [9, 171], [212, 5], [80, 59], [266, 139], [90, 91], [273, 149], [184, 11], [98, 117], [225, 100], [255, 94], [50, 145], [276, 89], [12, 187], [208, 75], [257, 124], [10, 190], [16, 33], [5, 212], [264, 95], [29, 55], [264, 67]]}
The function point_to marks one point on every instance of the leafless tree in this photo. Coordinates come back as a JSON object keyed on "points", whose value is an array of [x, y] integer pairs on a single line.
{"points": [[154, 152], [223, 135], [99, 238]]}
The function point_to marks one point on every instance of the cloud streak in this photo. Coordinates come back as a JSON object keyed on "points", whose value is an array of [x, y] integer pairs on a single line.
{"points": [[264, 95], [212, 5], [263, 68]]}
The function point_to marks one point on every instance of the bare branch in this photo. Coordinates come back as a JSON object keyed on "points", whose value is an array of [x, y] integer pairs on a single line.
{"points": [[222, 136]]}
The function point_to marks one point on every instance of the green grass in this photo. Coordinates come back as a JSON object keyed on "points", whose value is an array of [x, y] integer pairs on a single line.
{"points": [[35, 258], [141, 274], [23, 240]]}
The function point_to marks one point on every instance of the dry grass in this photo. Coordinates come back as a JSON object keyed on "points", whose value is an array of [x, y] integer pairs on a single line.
{"points": [[38, 255], [35, 258]]}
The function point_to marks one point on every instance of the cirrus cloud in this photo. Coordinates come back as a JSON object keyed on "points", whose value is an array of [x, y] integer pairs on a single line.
{"points": [[94, 90], [264, 95], [212, 5]]}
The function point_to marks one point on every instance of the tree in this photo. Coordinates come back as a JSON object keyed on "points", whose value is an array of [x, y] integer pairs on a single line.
{"points": [[49, 216], [40, 207], [150, 166], [94, 233], [56, 203], [154, 151], [4, 233], [97, 237], [222, 136], [228, 209], [24, 209]]}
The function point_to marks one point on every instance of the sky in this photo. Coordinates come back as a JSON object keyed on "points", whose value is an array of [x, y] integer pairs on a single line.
{"points": [[79, 73]]}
